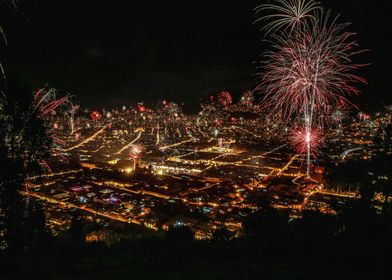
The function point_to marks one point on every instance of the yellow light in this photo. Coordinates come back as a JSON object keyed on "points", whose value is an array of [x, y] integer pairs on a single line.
{"points": [[159, 172], [112, 162]]}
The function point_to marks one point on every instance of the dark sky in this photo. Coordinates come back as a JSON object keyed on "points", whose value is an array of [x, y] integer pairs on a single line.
{"points": [[120, 52]]}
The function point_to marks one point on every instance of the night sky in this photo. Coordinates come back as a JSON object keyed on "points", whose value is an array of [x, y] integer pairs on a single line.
{"points": [[120, 52]]}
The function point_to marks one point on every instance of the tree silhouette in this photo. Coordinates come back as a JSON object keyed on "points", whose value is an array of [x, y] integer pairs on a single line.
{"points": [[222, 235], [23, 142], [76, 228]]}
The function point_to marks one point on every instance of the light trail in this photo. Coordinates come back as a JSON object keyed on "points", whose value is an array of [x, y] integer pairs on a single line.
{"points": [[344, 195], [125, 188], [288, 164], [116, 217], [101, 147], [274, 150], [85, 141], [346, 153], [248, 131], [56, 174], [176, 144], [130, 143]]}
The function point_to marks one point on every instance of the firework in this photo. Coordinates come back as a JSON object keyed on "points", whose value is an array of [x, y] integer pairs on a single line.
{"points": [[134, 153], [45, 101], [70, 110], [363, 117], [287, 14], [95, 115], [225, 99], [141, 108], [338, 115], [73, 110], [173, 109], [247, 98], [304, 139], [15, 5], [108, 115], [309, 69]]}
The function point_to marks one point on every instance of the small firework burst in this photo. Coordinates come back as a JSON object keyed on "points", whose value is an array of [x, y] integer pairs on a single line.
{"points": [[225, 99], [247, 98], [95, 115], [304, 139]]}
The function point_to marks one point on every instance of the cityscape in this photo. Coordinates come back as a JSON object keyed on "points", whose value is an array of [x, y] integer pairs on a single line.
{"points": [[132, 164], [278, 179]]}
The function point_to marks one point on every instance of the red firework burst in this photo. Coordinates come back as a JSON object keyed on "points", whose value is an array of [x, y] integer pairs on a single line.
{"points": [[135, 151], [141, 108], [247, 98], [309, 69], [225, 98], [45, 101], [300, 139], [95, 115]]}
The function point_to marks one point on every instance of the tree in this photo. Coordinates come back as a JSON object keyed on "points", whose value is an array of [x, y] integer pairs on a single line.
{"points": [[179, 234], [76, 228], [222, 235], [37, 235], [266, 225], [23, 143]]}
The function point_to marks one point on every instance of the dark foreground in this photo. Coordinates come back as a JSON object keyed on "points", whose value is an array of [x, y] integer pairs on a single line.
{"points": [[240, 259]]}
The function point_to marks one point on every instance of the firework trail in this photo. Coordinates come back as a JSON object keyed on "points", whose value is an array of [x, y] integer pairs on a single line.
{"points": [[11, 4], [15, 5], [309, 70], [70, 109], [134, 154], [46, 101]]}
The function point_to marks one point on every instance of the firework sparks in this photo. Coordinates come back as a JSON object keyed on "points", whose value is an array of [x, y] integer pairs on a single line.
{"points": [[14, 4], [225, 98], [45, 101], [338, 115], [302, 139], [287, 14], [309, 69], [135, 154], [247, 98], [95, 115]]}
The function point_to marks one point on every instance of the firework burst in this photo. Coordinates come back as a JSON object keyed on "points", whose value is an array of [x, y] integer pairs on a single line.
{"points": [[247, 98], [310, 69], [303, 139], [45, 101], [225, 99], [287, 14], [134, 154]]}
